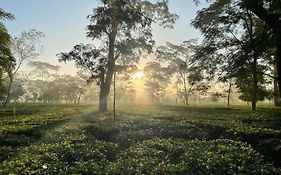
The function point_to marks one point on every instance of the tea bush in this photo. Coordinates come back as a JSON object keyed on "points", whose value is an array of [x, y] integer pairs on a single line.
{"points": [[190, 157], [65, 139]]}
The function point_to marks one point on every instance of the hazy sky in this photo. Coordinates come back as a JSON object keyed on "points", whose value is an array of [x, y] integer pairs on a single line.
{"points": [[64, 24]]}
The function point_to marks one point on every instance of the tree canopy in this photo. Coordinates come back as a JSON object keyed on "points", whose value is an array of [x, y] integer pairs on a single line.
{"points": [[6, 58], [124, 29], [236, 42]]}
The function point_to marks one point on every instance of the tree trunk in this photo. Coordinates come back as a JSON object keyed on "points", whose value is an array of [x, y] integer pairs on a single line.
{"points": [[79, 98], [186, 99], [114, 95], [278, 62], [276, 94], [177, 95], [103, 100], [255, 85], [105, 85], [185, 92], [277, 102], [229, 92], [7, 100]]}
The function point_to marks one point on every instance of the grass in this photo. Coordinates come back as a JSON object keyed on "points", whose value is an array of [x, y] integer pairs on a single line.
{"points": [[71, 139]]}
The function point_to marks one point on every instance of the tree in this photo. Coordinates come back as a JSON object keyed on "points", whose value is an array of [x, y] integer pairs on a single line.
{"points": [[74, 89], [156, 80], [24, 48], [41, 80], [43, 70], [56, 89], [269, 12], [6, 58], [178, 59], [233, 44], [229, 90], [244, 82], [124, 27]]}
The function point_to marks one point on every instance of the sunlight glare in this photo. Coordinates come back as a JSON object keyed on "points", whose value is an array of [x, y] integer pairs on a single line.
{"points": [[138, 75]]}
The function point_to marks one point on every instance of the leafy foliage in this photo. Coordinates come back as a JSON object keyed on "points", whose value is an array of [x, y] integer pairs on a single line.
{"points": [[178, 58], [234, 46], [156, 80], [7, 60], [190, 157], [43, 69], [24, 48], [124, 29], [89, 59], [163, 140]]}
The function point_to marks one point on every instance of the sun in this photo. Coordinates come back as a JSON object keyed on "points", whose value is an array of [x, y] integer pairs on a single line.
{"points": [[138, 75]]}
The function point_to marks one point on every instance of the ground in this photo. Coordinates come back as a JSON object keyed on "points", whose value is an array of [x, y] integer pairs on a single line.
{"points": [[71, 139]]}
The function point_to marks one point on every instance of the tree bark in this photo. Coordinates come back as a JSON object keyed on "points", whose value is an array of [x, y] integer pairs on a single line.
{"points": [[276, 94], [185, 92], [278, 62], [255, 85], [79, 98], [105, 85], [114, 95], [102, 99], [7, 100], [229, 92], [177, 96]]}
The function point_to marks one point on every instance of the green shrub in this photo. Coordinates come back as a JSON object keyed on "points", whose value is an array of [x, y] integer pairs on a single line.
{"points": [[61, 158], [6, 152], [15, 140], [190, 157], [103, 132], [271, 149], [128, 132]]}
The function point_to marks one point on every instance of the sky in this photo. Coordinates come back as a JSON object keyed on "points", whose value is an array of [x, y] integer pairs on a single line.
{"points": [[64, 22]]}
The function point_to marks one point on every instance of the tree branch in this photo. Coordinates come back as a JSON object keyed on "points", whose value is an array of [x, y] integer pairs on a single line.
{"points": [[272, 19]]}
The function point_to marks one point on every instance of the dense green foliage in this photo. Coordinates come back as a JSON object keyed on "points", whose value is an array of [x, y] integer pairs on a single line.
{"points": [[6, 57], [152, 140]]}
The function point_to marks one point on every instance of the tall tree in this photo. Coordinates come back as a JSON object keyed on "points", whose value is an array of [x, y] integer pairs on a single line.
{"points": [[269, 12], [156, 80], [25, 48], [233, 44], [6, 57], [178, 58], [123, 26]]}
